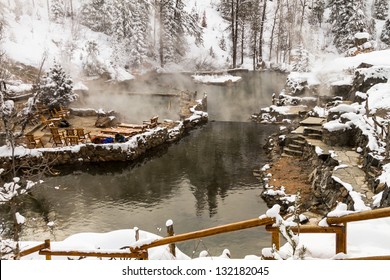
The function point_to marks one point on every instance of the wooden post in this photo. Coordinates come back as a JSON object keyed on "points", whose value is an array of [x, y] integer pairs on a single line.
{"points": [[136, 230], [341, 240], [170, 231], [276, 239], [47, 246]]}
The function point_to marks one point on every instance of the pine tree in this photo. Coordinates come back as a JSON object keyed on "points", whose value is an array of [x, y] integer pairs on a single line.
{"points": [[122, 24], [348, 18], [204, 21], [55, 89], [317, 12], [141, 40], [222, 43], [91, 64], [97, 15], [301, 62], [174, 23], [381, 9], [385, 35], [57, 10]]}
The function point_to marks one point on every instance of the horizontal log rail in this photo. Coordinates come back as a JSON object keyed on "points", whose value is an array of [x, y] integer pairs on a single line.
{"points": [[129, 255], [207, 232], [32, 250], [370, 258], [309, 229], [340, 231], [360, 216]]}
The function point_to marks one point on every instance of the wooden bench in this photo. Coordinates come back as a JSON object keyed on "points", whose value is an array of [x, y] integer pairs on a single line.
{"points": [[123, 131], [134, 126], [152, 123]]}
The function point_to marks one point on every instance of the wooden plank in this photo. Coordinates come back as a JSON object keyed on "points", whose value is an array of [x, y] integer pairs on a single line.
{"points": [[32, 250], [208, 232], [376, 258], [361, 216], [134, 126], [310, 229], [47, 252]]}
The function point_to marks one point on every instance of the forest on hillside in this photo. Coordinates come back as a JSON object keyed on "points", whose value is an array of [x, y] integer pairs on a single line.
{"points": [[147, 34]]}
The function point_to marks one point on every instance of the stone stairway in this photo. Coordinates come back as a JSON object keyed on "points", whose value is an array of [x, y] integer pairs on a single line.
{"points": [[313, 132], [294, 147]]}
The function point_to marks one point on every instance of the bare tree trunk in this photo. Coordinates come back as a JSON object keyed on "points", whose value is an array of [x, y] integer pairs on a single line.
{"points": [[273, 30], [71, 9], [242, 40], [234, 45], [262, 30], [254, 58], [48, 9], [161, 39]]}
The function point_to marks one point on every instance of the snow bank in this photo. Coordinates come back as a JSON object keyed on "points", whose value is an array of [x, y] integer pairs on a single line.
{"points": [[216, 79], [358, 203], [107, 242], [379, 97]]}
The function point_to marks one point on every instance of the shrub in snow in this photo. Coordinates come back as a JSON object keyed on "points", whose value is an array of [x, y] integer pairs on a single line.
{"points": [[55, 89], [222, 43]]}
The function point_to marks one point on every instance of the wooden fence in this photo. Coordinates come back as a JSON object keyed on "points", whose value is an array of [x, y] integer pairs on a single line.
{"points": [[337, 226]]}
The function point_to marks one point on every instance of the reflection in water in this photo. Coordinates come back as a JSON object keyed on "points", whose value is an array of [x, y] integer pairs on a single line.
{"points": [[203, 181]]}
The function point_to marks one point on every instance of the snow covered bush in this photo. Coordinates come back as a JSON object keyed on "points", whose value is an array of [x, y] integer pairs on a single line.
{"points": [[91, 64], [55, 89]]}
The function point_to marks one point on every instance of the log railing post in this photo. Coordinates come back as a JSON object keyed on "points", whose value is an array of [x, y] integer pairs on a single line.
{"points": [[276, 239], [170, 232], [136, 231], [341, 240], [47, 246]]}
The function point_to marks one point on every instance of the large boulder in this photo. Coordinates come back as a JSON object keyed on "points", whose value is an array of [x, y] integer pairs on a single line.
{"points": [[106, 121]]}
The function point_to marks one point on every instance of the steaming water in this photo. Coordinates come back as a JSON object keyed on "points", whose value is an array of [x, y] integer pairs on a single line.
{"points": [[204, 180]]}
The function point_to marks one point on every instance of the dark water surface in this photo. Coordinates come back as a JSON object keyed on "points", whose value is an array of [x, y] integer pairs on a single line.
{"points": [[205, 180]]}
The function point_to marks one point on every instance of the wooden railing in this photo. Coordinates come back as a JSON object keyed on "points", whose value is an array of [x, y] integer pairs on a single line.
{"points": [[207, 232], [337, 225]]}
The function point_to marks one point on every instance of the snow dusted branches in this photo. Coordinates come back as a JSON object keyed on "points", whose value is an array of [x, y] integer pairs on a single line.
{"points": [[294, 250]]}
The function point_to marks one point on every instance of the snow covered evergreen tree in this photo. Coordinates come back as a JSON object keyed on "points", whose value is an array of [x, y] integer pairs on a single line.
{"points": [[174, 23], [91, 64], [381, 9], [97, 15], [55, 89], [317, 12], [57, 10], [385, 35], [347, 18], [140, 43], [204, 20], [301, 60]]}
